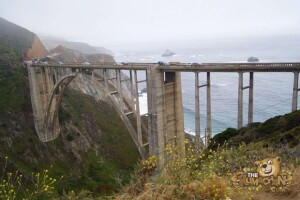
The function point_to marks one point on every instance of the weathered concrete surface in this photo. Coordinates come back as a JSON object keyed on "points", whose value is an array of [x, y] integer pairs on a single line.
{"points": [[41, 87], [156, 121], [173, 112], [165, 112]]}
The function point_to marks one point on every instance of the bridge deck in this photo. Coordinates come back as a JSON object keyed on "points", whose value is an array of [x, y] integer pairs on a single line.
{"points": [[234, 67], [188, 67]]}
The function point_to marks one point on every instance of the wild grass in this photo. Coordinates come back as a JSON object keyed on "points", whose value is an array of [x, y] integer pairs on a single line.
{"points": [[16, 186], [206, 174]]}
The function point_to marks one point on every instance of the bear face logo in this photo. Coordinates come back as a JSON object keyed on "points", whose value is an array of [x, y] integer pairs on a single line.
{"points": [[268, 166]]}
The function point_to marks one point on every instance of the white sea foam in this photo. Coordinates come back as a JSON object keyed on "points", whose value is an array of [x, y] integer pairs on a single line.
{"points": [[219, 84], [143, 103], [189, 132]]}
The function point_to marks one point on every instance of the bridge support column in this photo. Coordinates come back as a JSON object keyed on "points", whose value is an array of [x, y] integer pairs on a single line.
{"points": [[174, 130], [119, 88], [208, 114], [250, 107], [295, 91], [132, 82], [197, 112], [240, 101], [137, 109], [105, 80], [155, 98], [199, 142]]}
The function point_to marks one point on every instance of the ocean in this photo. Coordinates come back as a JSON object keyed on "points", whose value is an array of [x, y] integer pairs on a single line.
{"points": [[272, 91]]}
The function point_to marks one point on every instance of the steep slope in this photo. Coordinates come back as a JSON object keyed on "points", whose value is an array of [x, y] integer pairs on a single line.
{"points": [[93, 146], [15, 36], [53, 42], [26, 43], [63, 54], [37, 49]]}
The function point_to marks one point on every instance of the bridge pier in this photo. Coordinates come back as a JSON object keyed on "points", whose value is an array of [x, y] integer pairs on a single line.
{"points": [[208, 110], [199, 141], [165, 116], [295, 91], [240, 99], [250, 102], [137, 108], [174, 111], [155, 79], [119, 89], [197, 113], [105, 80]]}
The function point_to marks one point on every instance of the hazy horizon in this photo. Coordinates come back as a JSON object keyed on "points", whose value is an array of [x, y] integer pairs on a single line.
{"points": [[117, 24]]}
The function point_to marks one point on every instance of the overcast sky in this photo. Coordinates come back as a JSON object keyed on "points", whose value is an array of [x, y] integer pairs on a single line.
{"points": [[120, 22]]}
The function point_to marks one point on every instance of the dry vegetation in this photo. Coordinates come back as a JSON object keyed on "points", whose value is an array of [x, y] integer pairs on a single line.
{"points": [[206, 174]]}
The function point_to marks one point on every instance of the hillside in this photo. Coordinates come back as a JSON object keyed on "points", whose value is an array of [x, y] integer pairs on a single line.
{"points": [[52, 42], [15, 36], [37, 49], [63, 54], [277, 131], [87, 153], [26, 43]]}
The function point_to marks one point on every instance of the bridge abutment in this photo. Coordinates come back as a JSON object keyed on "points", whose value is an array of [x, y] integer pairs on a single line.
{"points": [[41, 86]]}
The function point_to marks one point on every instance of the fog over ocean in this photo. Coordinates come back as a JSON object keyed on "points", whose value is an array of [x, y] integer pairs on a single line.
{"points": [[272, 91]]}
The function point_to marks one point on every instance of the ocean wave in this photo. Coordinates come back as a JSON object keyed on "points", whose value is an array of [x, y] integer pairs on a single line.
{"points": [[189, 132]]}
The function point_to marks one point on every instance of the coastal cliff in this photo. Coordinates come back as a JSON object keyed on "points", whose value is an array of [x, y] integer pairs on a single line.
{"points": [[63, 54], [37, 49]]}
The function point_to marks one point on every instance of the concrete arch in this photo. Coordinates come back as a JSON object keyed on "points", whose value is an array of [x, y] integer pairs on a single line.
{"points": [[51, 120], [51, 116]]}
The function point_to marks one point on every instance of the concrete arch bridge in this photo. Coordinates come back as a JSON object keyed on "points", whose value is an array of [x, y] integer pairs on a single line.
{"points": [[164, 97]]}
